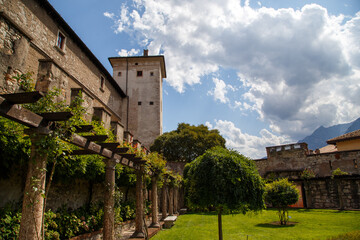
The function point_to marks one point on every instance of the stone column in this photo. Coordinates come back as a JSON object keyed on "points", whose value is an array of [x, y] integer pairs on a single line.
{"points": [[154, 204], [139, 219], [171, 201], [176, 200], [164, 201], [109, 227], [33, 201], [307, 194]]}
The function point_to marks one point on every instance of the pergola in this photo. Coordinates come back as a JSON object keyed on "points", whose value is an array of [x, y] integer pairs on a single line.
{"points": [[33, 201]]}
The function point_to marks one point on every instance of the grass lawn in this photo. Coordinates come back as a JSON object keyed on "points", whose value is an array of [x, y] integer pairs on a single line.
{"points": [[311, 224]]}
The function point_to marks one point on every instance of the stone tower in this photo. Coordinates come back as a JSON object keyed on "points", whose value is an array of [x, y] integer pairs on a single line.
{"points": [[141, 79]]}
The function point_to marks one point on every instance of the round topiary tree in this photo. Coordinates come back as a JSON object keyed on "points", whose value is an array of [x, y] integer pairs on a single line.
{"points": [[280, 194], [225, 180]]}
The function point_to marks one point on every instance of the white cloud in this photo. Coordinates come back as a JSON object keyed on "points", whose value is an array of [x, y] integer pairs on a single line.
{"points": [[300, 68], [125, 53], [220, 90], [248, 145], [109, 15]]}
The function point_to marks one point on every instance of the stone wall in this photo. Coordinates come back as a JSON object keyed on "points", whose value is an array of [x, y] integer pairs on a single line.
{"points": [[290, 160], [72, 194], [340, 192], [28, 34]]}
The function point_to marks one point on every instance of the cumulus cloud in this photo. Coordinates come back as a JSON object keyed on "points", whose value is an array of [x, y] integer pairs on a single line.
{"points": [[300, 68], [249, 145], [220, 90], [125, 53]]}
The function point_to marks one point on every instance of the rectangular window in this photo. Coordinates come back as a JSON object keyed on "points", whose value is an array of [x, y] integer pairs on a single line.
{"points": [[102, 83], [139, 103], [119, 74], [151, 74], [139, 73], [60, 43], [151, 103]]}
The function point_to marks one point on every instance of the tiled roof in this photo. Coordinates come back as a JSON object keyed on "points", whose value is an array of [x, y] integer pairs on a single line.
{"points": [[328, 149], [348, 136]]}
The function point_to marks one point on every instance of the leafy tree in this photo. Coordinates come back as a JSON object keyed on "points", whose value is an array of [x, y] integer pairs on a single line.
{"points": [[280, 194], [225, 180], [187, 142]]}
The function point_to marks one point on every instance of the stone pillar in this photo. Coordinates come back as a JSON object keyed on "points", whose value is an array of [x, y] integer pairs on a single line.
{"points": [[139, 219], [109, 227], [308, 194], [176, 200], [171, 201], [164, 201], [33, 201], [154, 203]]}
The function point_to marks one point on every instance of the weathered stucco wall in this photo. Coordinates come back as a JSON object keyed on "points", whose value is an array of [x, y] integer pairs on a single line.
{"points": [[145, 95]]}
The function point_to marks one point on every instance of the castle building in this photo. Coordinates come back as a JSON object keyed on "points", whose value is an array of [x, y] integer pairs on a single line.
{"points": [[141, 78], [35, 38]]}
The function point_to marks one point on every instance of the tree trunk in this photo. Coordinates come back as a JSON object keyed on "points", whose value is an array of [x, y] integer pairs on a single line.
{"points": [[139, 215], [34, 192], [109, 227], [220, 224], [154, 203]]}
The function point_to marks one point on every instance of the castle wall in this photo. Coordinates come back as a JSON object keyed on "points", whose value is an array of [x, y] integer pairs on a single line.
{"points": [[28, 37]]}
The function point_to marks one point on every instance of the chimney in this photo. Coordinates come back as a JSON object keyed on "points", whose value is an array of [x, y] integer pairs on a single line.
{"points": [[146, 52]]}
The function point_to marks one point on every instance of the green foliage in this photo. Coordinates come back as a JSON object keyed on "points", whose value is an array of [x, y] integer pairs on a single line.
{"points": [[187, 142], [10, 225], [14, 147], [25, 81], [338, 172], [307, 174], [156, 162], [223, 178], [280, 194]]}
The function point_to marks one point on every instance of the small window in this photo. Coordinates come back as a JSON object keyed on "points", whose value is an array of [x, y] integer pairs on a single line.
{"points": [[102, 82], [139, 73], [151, 73], [119, 74], [139, 103], [136, 64], [151, 103], [60, 43]]}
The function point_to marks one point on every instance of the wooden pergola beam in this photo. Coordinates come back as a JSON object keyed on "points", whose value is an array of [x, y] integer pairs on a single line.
{"points": [[86, 144], [19, 114], [21, 98]]}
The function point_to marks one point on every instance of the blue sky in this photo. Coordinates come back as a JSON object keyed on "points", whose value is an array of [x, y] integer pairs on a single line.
{"points": [[264, 72]]}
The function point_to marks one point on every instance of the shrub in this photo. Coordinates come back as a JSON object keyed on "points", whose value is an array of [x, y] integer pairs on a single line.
{"points": [[10, 225], [280, 194]]}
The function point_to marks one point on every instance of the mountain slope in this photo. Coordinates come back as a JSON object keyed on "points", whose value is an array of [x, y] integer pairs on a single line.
{"points": [[319, 137]]}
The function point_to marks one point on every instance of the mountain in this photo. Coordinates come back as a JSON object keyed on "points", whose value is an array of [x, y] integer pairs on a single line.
{"points": [[319, 137]]}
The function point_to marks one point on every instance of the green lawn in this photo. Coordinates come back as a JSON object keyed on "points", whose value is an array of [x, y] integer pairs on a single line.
{"points": [[312, 224]]}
